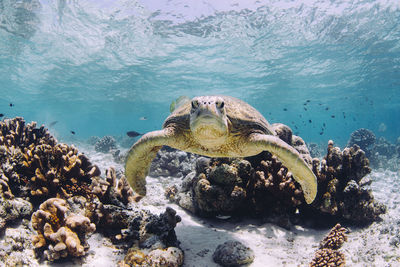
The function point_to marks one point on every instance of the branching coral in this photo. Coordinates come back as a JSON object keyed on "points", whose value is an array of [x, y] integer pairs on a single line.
{"points": [[34, 165], [60, 231], [57, 171]]}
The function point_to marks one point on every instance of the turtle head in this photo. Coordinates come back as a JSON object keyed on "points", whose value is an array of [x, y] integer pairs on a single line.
{"points": [[208, 120]]}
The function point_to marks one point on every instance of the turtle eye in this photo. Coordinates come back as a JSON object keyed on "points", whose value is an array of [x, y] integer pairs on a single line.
{"points": [[195, 104], [220, 104]]}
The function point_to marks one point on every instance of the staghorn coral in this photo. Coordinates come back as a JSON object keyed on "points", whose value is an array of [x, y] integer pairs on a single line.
{"points": [[328, 254], [59, 231]]}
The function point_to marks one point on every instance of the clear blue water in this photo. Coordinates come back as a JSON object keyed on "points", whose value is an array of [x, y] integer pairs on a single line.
{"points": [[97, 66]]}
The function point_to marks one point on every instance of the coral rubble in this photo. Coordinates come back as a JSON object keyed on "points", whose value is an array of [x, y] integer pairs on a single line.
{"points": [[328, 253]]}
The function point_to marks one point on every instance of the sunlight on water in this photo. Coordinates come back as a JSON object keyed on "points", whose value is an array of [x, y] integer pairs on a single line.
{"points": [[98, 66]]}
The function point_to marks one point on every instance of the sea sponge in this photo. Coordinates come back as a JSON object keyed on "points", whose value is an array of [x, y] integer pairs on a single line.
{"points": [[59, 231]]}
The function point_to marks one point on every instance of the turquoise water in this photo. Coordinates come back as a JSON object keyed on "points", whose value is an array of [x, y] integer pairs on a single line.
{"points": [[97, 67]]}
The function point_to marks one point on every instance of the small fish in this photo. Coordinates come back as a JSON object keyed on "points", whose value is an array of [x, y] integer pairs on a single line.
{"points": [[310, 121], [382, 127], [305, 104], [295, 127], [52, 123], [222, 217], [305, 108], [133, 134], [324, 124], [1, 115], [344, 115], [308, 101], [11, 104], [285, 109], [72, 132], [332, 116], [327, 108], [143, 118], [321, 133]]}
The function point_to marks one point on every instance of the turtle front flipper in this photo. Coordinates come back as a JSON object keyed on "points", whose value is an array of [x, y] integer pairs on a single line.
{"points": [[141, 155], [290, 159]]}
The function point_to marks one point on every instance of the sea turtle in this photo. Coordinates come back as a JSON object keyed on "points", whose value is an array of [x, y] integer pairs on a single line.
{"points": [[216, 126]]}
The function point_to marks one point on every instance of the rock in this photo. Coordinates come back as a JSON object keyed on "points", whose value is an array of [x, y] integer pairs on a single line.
{"points": [[233, 253], [170, 257]]}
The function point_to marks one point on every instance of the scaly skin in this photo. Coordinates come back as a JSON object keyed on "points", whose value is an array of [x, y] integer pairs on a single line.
{"points": [[216, 126]]}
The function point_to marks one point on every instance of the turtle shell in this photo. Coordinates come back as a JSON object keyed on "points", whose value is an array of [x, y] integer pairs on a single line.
{"points": [[243, 117]]}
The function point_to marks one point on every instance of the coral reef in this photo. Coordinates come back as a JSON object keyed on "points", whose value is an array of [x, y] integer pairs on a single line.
{"points": [[74, 200], [385, 155], [328, 253], [34, 165], [105, 144], [233, 253], [316, 151], [130, 224], [261, 185], [172, 162], [59, 231], [341, 189], [380, 152], [364, 138], [16, 247], [13, 209]]}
